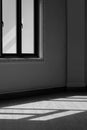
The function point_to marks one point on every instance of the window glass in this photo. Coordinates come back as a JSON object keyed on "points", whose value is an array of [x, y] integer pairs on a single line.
{"points": [[9, 26], [28, 26]]}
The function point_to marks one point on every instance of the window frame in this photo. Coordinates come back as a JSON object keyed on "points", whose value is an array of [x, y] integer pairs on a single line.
{"points": [[37, 21]]}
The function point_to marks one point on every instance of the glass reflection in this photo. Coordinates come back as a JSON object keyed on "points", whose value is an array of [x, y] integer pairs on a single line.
{"points": [[9, 28]]}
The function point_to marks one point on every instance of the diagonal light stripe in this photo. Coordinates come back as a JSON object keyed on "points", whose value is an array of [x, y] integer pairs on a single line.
{"points": [[82, 97], [69, 99], [34, 105], [10, 48], [19, 111], [13, 117], [54, 116], [9, 36], [62, 105]]}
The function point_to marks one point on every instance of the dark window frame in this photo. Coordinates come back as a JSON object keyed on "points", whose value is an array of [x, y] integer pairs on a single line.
{"points": [[19, 25]]}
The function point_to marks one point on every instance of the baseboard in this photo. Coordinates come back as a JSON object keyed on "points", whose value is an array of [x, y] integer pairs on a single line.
{"points": [[42, 92], [76, 84], [32, 93]]}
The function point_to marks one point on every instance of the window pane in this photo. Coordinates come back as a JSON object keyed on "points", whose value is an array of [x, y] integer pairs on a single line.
{"points": [[9, 27], [28, 26]]}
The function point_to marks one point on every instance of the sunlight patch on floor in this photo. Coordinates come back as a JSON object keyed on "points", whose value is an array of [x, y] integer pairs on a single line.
{"points": [[13, 117], [25, 111], [54, 116], [52, 105], [46, 110], [70, 99]]}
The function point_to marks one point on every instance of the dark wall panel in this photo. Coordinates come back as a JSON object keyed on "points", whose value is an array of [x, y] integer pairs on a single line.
{"points": [[86, 42], [75, 43]]}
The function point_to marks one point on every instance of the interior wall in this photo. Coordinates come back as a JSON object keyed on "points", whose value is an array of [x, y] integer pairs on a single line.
{"points": [[49, 72], [75, 43], [86, 43]]}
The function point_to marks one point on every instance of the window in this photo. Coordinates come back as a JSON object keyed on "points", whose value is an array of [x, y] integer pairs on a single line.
{"points": [[19, 28]]}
